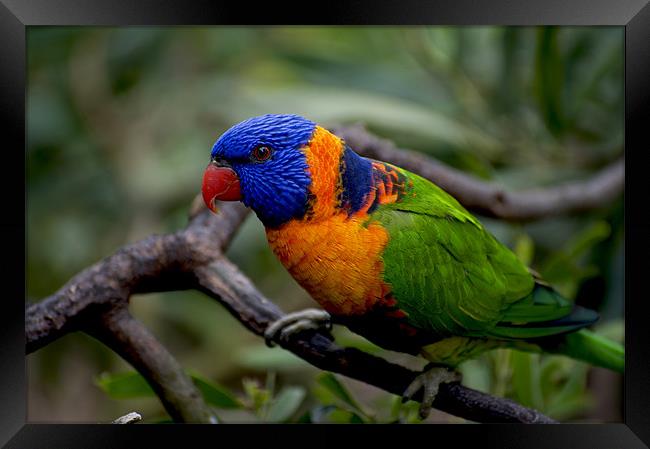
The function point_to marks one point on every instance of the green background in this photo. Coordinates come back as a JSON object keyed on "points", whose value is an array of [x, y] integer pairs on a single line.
{"points": [[120, 125]]}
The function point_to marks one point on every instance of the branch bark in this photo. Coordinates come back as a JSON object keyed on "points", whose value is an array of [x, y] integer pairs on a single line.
{"points": [[96, 300], [125, 335], [490, 199], [223, 281]]}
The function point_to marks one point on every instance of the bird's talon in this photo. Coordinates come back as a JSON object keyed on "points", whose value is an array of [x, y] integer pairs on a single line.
{"points": [[269, 342], [285, 327], [429, 381]]}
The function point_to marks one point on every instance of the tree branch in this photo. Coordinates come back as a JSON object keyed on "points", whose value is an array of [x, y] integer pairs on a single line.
{"points": [[95, 301], [125, 335], [157, 263], [223, 281], [181, 258], [490, 199]]}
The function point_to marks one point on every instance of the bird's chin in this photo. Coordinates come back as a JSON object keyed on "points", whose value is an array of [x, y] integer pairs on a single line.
{"points": [[220, 184]]}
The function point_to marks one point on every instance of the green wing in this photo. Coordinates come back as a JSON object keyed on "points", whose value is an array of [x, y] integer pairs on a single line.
{"points": [[452, 277]]}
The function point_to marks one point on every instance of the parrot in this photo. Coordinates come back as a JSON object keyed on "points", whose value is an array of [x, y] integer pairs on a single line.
{"points": [[390, 255]]}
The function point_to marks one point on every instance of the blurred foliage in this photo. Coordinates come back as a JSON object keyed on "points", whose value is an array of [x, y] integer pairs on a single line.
{"points": [[120, 124]]}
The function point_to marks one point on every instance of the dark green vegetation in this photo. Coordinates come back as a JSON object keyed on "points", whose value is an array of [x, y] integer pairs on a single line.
{"points": [[120, 123]]}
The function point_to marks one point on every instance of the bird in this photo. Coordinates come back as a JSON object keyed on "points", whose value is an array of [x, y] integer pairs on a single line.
{"points": [[391, 255]]}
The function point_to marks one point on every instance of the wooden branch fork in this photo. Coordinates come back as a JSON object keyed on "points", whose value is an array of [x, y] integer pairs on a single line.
{"points": [[96, 300]]}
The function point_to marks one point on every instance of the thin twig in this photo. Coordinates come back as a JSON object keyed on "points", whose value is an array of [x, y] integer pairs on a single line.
{"points": [[490, 199]]}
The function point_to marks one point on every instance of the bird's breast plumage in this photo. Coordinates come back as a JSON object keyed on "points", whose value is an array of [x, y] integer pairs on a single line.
{"points": [[337, 260]]}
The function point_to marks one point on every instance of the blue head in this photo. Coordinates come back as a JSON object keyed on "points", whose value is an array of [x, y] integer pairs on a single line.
{"points": [[265, 153]]}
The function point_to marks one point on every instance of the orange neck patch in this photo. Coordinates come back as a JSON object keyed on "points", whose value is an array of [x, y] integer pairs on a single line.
{"points": [[323, 157]]}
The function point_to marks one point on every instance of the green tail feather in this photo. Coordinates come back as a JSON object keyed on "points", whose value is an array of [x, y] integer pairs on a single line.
{"points": [[592, 348]]}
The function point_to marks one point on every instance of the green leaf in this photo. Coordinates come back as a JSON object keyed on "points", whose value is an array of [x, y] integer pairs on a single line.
{"points": [[259, 396], [396, 408], [332, 384], [163, 421], [347, 338], [408, 412], [549, 79], [584, 241], [124, 385], [215, 394], [476, 374], [262, 358], [576, 384], [551, 374], [526, 379], [507, 85], [336, 415], [502, 371], [305, 418], [285, 404], [131, 384], [569, 408], [613, 330], [524, 248], [356, 419], [320, 413], [566, 269]]}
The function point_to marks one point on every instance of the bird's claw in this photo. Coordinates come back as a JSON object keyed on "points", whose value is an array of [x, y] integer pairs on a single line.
{"points": [[430, 380], [296, 322]]}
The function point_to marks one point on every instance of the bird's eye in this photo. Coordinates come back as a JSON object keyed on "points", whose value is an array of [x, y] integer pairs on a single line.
{"points": [[261, 153]]}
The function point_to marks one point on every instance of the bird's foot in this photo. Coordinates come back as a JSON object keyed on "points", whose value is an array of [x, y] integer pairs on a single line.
{"points": [[429, 381], [295, 322]]}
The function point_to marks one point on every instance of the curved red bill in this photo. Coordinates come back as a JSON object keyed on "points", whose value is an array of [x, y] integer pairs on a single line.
{"points": [[220, 183]]}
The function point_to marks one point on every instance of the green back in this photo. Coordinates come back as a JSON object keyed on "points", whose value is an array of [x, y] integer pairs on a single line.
{"points": [[447, 272]]}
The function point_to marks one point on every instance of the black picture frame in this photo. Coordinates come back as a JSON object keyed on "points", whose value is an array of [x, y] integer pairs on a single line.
{"points": [[633, 15]]}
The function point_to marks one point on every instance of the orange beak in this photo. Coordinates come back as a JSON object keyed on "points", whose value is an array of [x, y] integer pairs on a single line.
{"points": [[219, 183]]}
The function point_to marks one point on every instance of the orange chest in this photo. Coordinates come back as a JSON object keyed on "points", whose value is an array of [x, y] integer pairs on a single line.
{"points": [[337, 260]]}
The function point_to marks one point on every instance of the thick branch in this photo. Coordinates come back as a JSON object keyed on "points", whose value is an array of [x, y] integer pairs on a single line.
{"points": [[223, 280], [109, 281], [96, 301], [157, 263], [125, 335], [100, 310], [490, 199]]}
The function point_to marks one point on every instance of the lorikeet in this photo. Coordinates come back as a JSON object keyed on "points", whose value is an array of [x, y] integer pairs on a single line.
{"points": [[391, 255]]}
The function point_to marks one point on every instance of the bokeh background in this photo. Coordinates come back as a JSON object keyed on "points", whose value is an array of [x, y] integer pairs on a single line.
{"points": [[120, 125]]}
